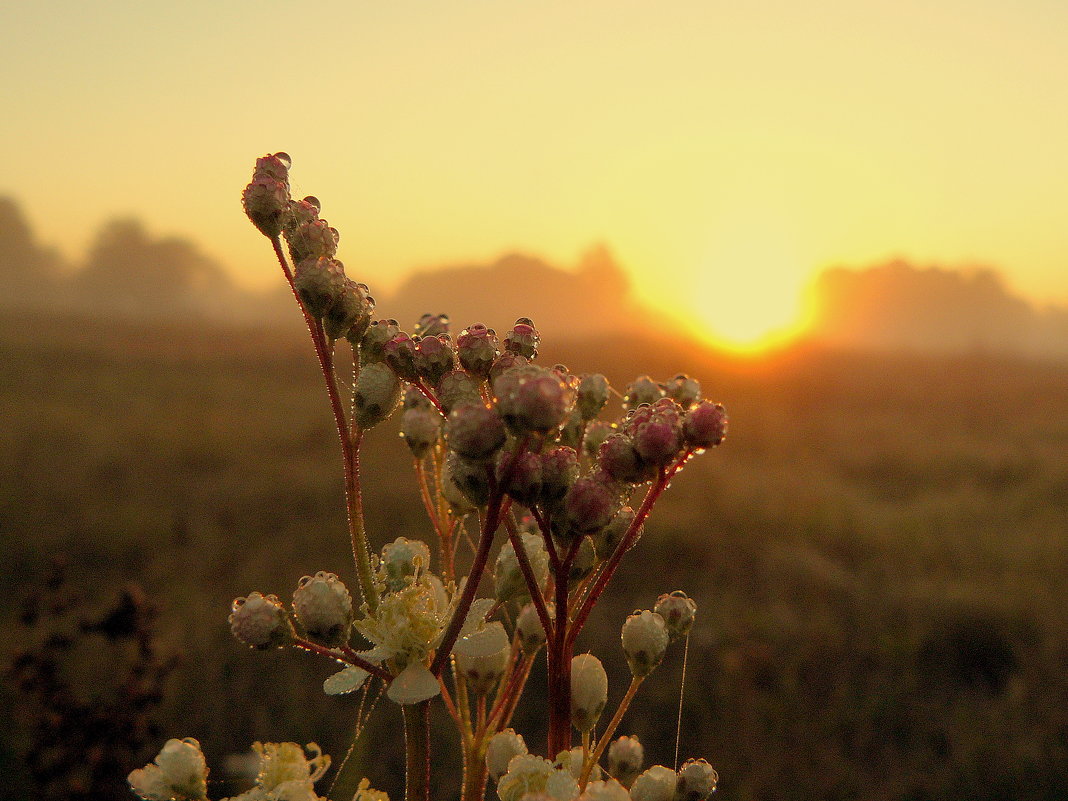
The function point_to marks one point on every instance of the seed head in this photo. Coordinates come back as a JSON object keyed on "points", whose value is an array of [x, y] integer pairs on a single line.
{"points": [[589, 691], [477, 348], [705, 425], [324, 608], [645, 639], [260, 621], [376, 396], [678, 611]]}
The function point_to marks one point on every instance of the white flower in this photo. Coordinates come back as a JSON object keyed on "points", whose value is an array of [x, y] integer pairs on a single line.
{"points": [[656, 784], [408, 623], [180, 773], [527, 773], [286, 774]]}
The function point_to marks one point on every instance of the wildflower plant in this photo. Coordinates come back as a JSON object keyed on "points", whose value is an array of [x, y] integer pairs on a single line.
{"points": [[522, 458]]}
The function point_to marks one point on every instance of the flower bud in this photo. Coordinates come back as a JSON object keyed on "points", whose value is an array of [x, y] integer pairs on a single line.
{"points": [[450, 490], [312, 239], [477, 348], [656, 432], [645, 639], [528, 627], [399, 354], [273, 165], [483, 672], [656, 784], [420, 427], [319, 283], [501, 748], [470, 478], [503, 363], [266, 201], [432, 325], [642, 390], [474, 432], [608, 790], [300, 212], [519, 475], [573, 761], [609, 537], [508, 576], [350, 314], [376, 396], [705, 425], [526, 778], [678, 611], [434, 357], [696, 781], [592, 395], [597, 432], [684, 390], [458, 388], [373, 342], [402, 559], [523, 339], [559, 470], [589, 691], [531, 399], [584, 562], [179, 772], [590, 504], [571, 430], [324, 608], [625, 758], [620, 459], [260, 621]]}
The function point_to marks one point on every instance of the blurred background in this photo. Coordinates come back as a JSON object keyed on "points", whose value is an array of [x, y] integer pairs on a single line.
{"points": [[845, 218]]}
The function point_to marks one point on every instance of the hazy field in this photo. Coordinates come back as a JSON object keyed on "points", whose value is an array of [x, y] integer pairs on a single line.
{"points": [[879, 551]]}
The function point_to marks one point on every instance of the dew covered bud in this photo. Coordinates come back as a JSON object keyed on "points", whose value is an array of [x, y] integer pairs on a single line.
{"points": [[324, 608], [529, 629], [260, 621], [450, 490], [378, 333], [642, 390], [179, 773], [434, 357], [559, 470], [590, 504], [420, 427], [319, 282], [470, 478], [619, 458], [592, 395], [432, 325], [477, 348], [596, 433], [678, 610], [519, 475], [300, 212], [399, 354], [571, 430], [656, 432], [645, 639], [501, 748], [508, 575], [589, 691], [402, 559], [684, 390], [656, 784], [350, 314], [625, 758], [696, 781], [474, 432], [572, 761], [312, 239], [607, 790], [483, 672], [705, 425], [458, 388], [523, 339], [266, 202], [609, 537], [531, 399], [376, 395], [584, 562], [503, 363]]}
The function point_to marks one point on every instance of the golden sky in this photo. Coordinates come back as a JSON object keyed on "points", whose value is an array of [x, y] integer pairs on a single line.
{"points": [[725, 150]]}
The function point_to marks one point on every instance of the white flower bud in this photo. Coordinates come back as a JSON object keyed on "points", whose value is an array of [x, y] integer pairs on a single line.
{"points": [[656, 784], [589, 691], [574, 760], [697, 781], [377, 392], [678, 611], [508, 575], [645, 639], [528, 627], [401, 558], [324, 608], [501, 748], [260, 621], [483, 672], [180, 773], [526, 773], [625, 758], [561, 786], [609, 790]]}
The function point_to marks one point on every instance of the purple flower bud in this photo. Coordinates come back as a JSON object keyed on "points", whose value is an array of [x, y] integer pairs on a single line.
{"points": [[319, 283], [299, 213], [620, 459], [420, 427], [523, 339], [399, 354], [376, 396], [590, 504], [372, 343], [657, 432], [503, 363], [273, 165], [705, 425], [260, 621], [684, 390], [559, 470], [592, 395], [531, 399], [642, 390], [324, 608], [520, 476], [313, 238], [571, 431], [350, 314], [678, 611], [456, 389], [477, 347], [434, 357], [474, 432], [432, 325], [266, 201]]}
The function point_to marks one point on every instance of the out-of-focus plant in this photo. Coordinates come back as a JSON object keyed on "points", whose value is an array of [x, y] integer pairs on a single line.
{"points": [[523, 455]]}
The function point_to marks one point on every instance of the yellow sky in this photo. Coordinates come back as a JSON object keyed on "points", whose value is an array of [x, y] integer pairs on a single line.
{"points": [[725, 150]]}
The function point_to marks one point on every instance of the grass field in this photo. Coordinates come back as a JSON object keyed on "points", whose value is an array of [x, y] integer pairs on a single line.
{"points": [[879, 552]]}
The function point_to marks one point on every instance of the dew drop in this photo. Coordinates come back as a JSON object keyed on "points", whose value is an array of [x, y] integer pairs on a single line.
{"points": [[311, 200], [285, 158]]}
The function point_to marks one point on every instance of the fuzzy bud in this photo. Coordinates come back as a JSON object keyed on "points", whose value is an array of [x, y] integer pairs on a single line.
{"points": [[470, 478], [320, 282], [645, 639], [523, 339], [432, 325], [508, 575], [312, 239], [656, 784], [529, 629], [620, 459], [458, 388], [656, 432], [420, 427], [678, 610], [402, 559], [696, 781], [324, 608], [260, 621], [684, 390], [179, 773], [705, 425], [477, 348], [350, 314], [625, 758], [642, 390], [434, 357], [590, 504], [376, 396], [519, 475], [483, 672], [589, 691], [399, 354], [474, 432], [531, 399], [592, 395], [374, 339], [559, 470], [501, 748]]}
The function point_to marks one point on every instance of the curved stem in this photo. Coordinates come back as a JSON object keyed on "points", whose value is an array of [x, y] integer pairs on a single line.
{"points": [[344, 654]]}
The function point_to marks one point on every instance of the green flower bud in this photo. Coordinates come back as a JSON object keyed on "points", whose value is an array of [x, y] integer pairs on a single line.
{"points": [[684, 390], [589, 691], [503, 363], [523, 339], [299, 213], [483, 672], [470, 478], [645, 640], [432, 325], [260, 622], [529, 629], [373, 342], [324, 608], [625, 758], [477, 348], [678, 611], [508, 575], [319, 283], [434, 357], [312, 239], [266, 201], [609, 537], [376, 396], [642, 390], [559, 470], [399, 354], [474, 432], [420, 427], [705, 425], [597, 432], [592, 395], [584, 562], [402, 559], [350, 314], [571, 431], [697, 781], [458, 502], [456, 389]]}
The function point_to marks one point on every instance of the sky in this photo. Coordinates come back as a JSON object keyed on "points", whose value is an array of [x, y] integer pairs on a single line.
{"points": [[725, 151]]}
